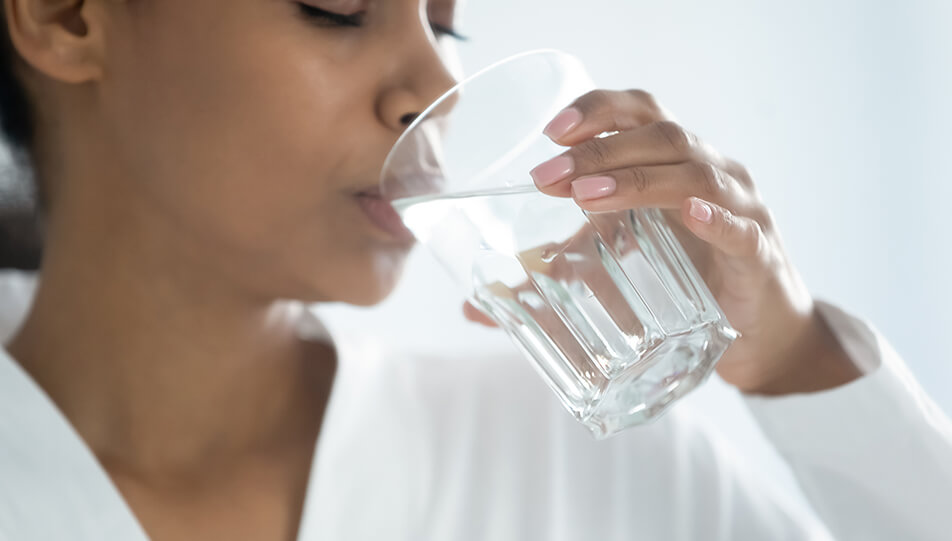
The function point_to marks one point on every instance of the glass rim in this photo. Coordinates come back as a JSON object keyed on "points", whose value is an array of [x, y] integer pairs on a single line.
{"points": [[544, 51]]}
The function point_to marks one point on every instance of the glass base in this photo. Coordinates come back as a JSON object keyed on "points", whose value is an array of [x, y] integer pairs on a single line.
{"points": [[641, 394]]}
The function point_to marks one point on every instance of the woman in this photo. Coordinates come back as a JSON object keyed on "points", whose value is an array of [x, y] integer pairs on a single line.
{"points": [[200, 162]]}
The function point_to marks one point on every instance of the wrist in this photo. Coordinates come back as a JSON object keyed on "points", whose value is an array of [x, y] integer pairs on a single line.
{"points": [[815, 362]]}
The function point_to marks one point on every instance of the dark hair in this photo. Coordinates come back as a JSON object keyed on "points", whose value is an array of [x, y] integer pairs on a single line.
{"points": [[20, 238], [15, 111]]}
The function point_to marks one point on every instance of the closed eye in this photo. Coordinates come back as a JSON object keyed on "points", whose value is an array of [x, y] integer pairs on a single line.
{"points": [[356, 20], [318, 14]]}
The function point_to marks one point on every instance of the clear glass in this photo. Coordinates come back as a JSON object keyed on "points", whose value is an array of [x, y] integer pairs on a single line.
{"points": [[607, 306]]}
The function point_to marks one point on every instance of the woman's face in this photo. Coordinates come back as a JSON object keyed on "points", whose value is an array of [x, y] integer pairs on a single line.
{"points": [[249, 126]]}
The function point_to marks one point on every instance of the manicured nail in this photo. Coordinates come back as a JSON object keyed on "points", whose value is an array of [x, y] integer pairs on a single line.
{"points": [[701, 211], [563, 123], [586, 189], [552, 171]]}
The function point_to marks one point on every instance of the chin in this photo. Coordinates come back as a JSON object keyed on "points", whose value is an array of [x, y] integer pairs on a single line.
{"points": [[385, 277], [368, 282]]}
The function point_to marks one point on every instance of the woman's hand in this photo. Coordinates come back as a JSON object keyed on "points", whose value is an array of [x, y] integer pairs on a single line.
{"points": [[719, 217]]}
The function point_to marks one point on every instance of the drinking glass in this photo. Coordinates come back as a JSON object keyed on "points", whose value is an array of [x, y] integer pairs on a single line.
{"points": [[607, 306]]}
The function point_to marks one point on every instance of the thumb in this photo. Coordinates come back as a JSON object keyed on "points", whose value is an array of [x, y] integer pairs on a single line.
{"points": [[740, 238]]}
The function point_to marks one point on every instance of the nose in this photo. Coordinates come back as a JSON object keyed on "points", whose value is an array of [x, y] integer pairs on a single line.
{"points": [[425, 73]]}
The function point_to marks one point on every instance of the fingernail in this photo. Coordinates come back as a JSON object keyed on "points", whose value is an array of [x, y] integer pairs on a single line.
{"points": [[586, 189], [701, 211], [563, 123], [552, 171]]}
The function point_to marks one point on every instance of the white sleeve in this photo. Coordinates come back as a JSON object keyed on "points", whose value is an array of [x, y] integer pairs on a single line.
{"points": [[874, 456]]}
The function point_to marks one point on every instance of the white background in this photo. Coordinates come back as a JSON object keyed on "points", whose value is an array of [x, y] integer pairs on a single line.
{"points": [[839, 109]]}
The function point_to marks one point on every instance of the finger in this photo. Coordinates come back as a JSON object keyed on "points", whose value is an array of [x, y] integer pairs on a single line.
{"points": [[602, 111], [659, 143], [740, 237], [658, 186], [476, 315]]}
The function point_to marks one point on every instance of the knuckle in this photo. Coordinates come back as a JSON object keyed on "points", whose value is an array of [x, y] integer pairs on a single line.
{"points": [[645, 97], [749, 238], [596, 152], [728, 221], [593, 101], [638, 178], [741, 173], [600, 95], [709, 178], [765, 218], [682, 141], [758, 241]]}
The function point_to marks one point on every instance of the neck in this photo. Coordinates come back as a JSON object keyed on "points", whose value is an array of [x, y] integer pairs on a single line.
{"points": [[156, 367]]}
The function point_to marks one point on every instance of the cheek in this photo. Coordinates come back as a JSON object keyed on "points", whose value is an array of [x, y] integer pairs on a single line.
{"points": [[338, 263], [250, 143], [244, 137]]}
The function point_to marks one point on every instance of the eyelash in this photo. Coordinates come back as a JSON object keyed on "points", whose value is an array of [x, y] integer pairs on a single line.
{"points": [[356, 20]]}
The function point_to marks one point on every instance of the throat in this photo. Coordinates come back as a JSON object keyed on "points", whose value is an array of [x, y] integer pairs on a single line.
{"points": [[168, 401]]}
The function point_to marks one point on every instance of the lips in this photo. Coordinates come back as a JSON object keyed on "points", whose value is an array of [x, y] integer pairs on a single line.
{"points": [[414, 167], [382, 214]]}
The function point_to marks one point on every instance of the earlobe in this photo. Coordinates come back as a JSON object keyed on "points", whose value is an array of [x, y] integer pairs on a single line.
{"points": [[58, 38]]}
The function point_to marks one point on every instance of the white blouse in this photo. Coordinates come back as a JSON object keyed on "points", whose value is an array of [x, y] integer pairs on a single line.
{"points": [[473, 446]]}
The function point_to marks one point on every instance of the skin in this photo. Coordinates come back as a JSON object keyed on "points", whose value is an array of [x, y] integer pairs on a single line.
{"points": [[200, 161]]}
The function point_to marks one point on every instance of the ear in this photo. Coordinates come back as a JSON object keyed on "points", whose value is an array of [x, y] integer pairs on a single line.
{"points": [[61, 39]]}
